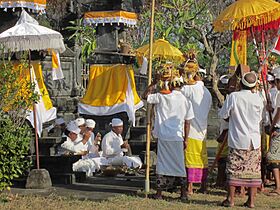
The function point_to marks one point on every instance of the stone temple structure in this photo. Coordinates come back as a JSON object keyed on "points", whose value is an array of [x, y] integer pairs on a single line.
{"points": [[65, 94], [111, 19]]}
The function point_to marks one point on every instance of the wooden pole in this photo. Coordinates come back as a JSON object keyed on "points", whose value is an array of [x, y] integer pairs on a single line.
{"points": [[147, 180], [34, 118]]}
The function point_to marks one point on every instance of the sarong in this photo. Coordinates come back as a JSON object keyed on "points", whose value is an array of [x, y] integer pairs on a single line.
{"points": [[170, 164], [170, 158], [196, 161], [273, 155], [244, 167], [165, 183]]}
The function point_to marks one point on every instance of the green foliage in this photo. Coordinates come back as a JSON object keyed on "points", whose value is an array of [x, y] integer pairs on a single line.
{"points": [[14, 147], [84, 36], [17, 95], [17, 92], [187, 24], [171, 17]]}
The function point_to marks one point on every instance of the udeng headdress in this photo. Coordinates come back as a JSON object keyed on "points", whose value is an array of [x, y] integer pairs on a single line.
{"points": [[191, 67], [165, 72]]}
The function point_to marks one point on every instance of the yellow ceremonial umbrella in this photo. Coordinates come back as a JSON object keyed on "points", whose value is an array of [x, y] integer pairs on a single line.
{"points": [[244, 14], [35, 5], [161, 49]]}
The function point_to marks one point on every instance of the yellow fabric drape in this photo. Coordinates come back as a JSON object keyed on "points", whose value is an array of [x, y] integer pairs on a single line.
{"points": [[108, 85], [43, 90], [25, 76], [239, 49], [55, 64], [137, 99]]}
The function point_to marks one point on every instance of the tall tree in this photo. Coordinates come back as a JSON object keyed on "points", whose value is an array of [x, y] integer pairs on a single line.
{"points": [[188, 24]]}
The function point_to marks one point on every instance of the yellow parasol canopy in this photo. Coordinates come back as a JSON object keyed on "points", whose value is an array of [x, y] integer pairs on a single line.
{"points": [[162, 49], [243, 14]]}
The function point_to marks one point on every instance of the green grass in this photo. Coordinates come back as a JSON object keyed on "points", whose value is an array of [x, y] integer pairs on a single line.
{"points": [[197, 201]]}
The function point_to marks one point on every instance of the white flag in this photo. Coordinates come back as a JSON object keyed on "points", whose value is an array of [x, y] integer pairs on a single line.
{"points": [[42, 115], [56, 66]]}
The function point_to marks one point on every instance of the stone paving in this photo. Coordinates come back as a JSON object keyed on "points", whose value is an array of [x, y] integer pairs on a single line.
{"points": [[96, 188]]}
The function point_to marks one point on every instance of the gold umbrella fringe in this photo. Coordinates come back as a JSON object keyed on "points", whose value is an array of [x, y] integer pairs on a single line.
{"points": [[246, 22]]}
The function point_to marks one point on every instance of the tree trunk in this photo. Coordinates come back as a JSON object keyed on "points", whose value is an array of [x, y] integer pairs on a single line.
{"points": [[215, 78]]}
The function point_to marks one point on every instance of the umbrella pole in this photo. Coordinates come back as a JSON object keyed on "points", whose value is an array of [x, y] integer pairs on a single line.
{"points": [[147, 180], [34, 116], [261, 63]]}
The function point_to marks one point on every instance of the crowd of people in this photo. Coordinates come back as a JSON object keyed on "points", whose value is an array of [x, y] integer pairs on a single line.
{"points": [[96, 152], [249, 142], [248, 145], [181, 107]]}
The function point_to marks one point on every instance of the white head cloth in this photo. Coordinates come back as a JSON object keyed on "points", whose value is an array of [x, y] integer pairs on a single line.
{"points": [[277, 76], [90, 123], [59, 121], [247, 84], [116, 122], [72, 127], [80, 121], [270, 77], [224, 79]]}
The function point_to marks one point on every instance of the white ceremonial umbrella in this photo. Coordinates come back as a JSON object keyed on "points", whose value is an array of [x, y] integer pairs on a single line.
{"points": [[28, 35]]}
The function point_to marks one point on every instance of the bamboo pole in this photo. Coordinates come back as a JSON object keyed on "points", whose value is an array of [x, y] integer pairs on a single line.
{"points": [[34, 118], [147, 180]]}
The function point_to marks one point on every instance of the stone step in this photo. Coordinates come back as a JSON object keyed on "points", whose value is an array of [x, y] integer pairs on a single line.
{"points": [[132, 181]]}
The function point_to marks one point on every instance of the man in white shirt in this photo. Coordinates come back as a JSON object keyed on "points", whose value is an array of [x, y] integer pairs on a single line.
{"points": [[196, 152], [273, 155], [74, 143], [272, 89], [245, 111], [93, 141], [113, 147], [172, 122], [81, 123], [87, 163]]}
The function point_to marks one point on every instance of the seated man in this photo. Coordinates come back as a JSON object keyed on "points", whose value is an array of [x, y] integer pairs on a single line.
{"points": [[113, 147], [94, 141], [112, 153], [79, 143], [81, 123], [74, 143]]}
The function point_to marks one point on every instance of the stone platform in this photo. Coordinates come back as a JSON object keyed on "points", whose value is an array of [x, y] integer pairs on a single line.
{"points": [[96, 188]]}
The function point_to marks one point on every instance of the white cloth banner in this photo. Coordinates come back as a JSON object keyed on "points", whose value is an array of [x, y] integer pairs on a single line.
{"points": [[57, 72], [42, 115], [144, 67]]}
